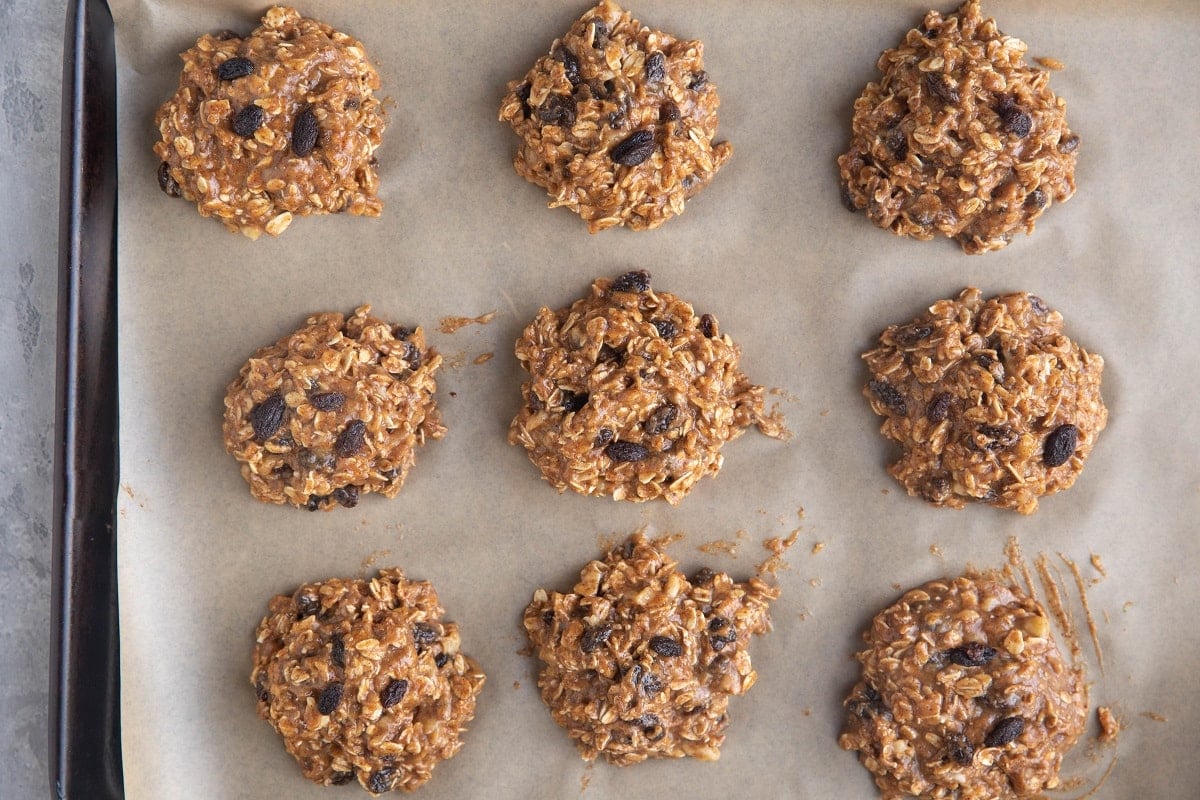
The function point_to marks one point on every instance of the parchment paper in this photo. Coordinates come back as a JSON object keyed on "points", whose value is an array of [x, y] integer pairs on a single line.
{"points": [[799, 282]]}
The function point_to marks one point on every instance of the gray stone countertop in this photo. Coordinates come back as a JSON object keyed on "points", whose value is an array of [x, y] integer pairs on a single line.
{"points": [[30, 94]]}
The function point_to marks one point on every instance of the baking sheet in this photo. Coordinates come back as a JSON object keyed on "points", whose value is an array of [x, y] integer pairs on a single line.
{"points": [[800, 283]]}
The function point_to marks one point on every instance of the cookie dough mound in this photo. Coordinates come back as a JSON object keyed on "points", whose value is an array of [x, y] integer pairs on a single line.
{"points": [[639, 662], [281, 123], [631, 394], [617, 122], [964, 695], [959, 137], [364, 681], [990, 401], [333, 411]]}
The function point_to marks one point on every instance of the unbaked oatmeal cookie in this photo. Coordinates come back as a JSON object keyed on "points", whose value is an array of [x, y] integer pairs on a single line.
{"points": [[631, 393], [964, 695], [990, 401], [959, 137], [617, 121], [639, 662], [364, 681], [283, 122], [333, 411]]}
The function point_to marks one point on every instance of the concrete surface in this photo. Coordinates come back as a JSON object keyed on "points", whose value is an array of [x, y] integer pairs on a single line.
{"points": [[30, 89]]}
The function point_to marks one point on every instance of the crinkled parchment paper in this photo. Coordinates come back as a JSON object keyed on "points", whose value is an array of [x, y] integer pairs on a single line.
{"points": [[799, 282]]}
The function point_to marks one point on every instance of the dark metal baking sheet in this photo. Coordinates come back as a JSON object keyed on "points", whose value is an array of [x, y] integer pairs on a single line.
{"points": [[85, 739]]}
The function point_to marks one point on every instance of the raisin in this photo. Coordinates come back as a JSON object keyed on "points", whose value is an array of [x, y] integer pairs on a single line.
{"points": [[897, 142], [871, 694], [346, 496], [939, 407], [960, 749], [1004, 732], [523, 95], [327, 401], [889, 396], [610, 353], [440, 660], [937, 488], [381, 781], [337, 650], [350, 104], [424, 634], [412, 355], [330, 698], [1060, 445], [651, 684], [401, 332], [340, 778], [1001, 436], [911, 334], [702, 576], [1038, 305], [668, 112], [260, 690], [593, 638], [666, 646], [599, 34], [351, 439], [940, 86], [661, 418], [307, 606], [169, 185], [666, 328], [394, 693], [708, 325], [234, 68], [1070, 144], [635, 149], [648, 722], [699, 81], [267, 417], [572, 401], [603, 437], [984, 360], [626, 451], [719, 640], [286, 441], [570, 64], [1037, 198], [314, 502], [316, 460], [971, 654], [304, 133], [1016, 122], [656, 67], [225, 35], [848, 199], [636, 281], [247, 120], [559, 110]]}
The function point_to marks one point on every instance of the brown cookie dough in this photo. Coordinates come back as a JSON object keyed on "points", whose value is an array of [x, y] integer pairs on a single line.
{"points": [[631, 393], [333, 411], [639, 662], [964, 695], [617, 121], [990, 401], [364, 681], [283, 122], [959, 137]]}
